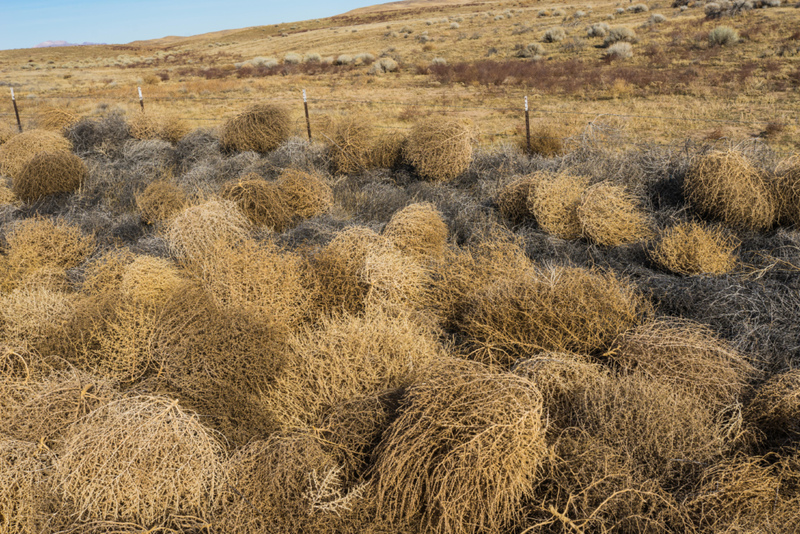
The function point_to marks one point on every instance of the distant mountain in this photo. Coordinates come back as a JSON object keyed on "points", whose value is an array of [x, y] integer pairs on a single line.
{"points": [[52, 44]]}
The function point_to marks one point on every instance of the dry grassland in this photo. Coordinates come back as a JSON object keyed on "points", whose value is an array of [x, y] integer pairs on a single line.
{"points": [[406, 325]]}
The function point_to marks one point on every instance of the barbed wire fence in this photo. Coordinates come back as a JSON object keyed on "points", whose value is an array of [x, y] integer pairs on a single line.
{"points": [[313, 109]]}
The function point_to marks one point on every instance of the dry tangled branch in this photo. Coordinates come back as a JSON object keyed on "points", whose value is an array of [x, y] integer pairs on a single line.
{"points": [[140, 459], [726, 186], [609, 216], [159, 201], [19, 149], [419, 230], [555, 202], [24, 486], [440, 149], [49, 173], [512, 199], [261, 128], [464, 451], [694, 248]]}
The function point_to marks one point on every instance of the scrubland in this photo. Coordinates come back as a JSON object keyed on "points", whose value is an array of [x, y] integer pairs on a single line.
{"points": [[234, 328]]}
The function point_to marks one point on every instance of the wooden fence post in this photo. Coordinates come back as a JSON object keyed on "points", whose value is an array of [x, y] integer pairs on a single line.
{"points": [[527, 126], [141, 98], [16, 111], [308, 121]]}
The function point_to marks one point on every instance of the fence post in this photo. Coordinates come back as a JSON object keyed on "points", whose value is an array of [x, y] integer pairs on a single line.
{"points": [[141, 98], [527, 126], [16, 111], [308, 121]]}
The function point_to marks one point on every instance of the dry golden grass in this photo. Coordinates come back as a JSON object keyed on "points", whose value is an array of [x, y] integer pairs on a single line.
{"points": [[565, 309], [609, 216], [775, 409], [18, 150], [464, 451], [104, 273], [686, 355], [49, 173], [727, 187], [512, 199], [555, 202], [159, 201], [157, 125], [386, 150], [345, 358], [360, 267], [418, 230], [440, 149], [350, 140], [23, 486], [261, 128], [6, 133], [788, 191], [197, 231], [55, 119], [260, 201], [141, 460], [50, 405]]}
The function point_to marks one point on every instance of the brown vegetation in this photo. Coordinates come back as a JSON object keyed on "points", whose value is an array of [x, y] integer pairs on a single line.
{"points": [[49, 173], [555, 202], [512, 199], [261, 128], [694, 248], [609, 216], [159, 201], [19, 149], [439, 149], [157, 125], [418, 230], [725, 186]]}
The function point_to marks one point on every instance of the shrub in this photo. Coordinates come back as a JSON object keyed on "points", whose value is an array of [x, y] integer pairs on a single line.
{"points": [[546, 141], [554, 35], [18, 150], [609, 216], [787, 186], [24, 486], [6, 133], [306, 194], [686, 355], [559, 309], [693, 248], [387, 150], [312, 57], [438, 61], [259, 200], [463, 453], [50, 405], [32, 316], [160, 201], [512, 199], [775, 409], [597, 30], [530, 50], [418, 230], [6, 195], [261, 128], [158, 125], [292, 58], [350, 139], [359, 267], [41, 244], [619, 51], [150, 281], [49, 173], [346, 358], [657, 18], [384, 65], [344, 59], [725, 186], [142, 460], [555, 205], [638, 8], [198, 230], [723, 36], [55, 119], [617, 34], [439, 149]]}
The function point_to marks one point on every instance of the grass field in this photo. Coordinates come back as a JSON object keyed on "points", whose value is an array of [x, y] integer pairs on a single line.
{"points": [[415, 321]]}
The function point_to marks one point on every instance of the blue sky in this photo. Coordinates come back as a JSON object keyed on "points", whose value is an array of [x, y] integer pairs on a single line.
{"points": [[26, 23]]}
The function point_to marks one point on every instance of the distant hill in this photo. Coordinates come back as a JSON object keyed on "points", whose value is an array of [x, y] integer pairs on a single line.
{"points": [[54, 44]]}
